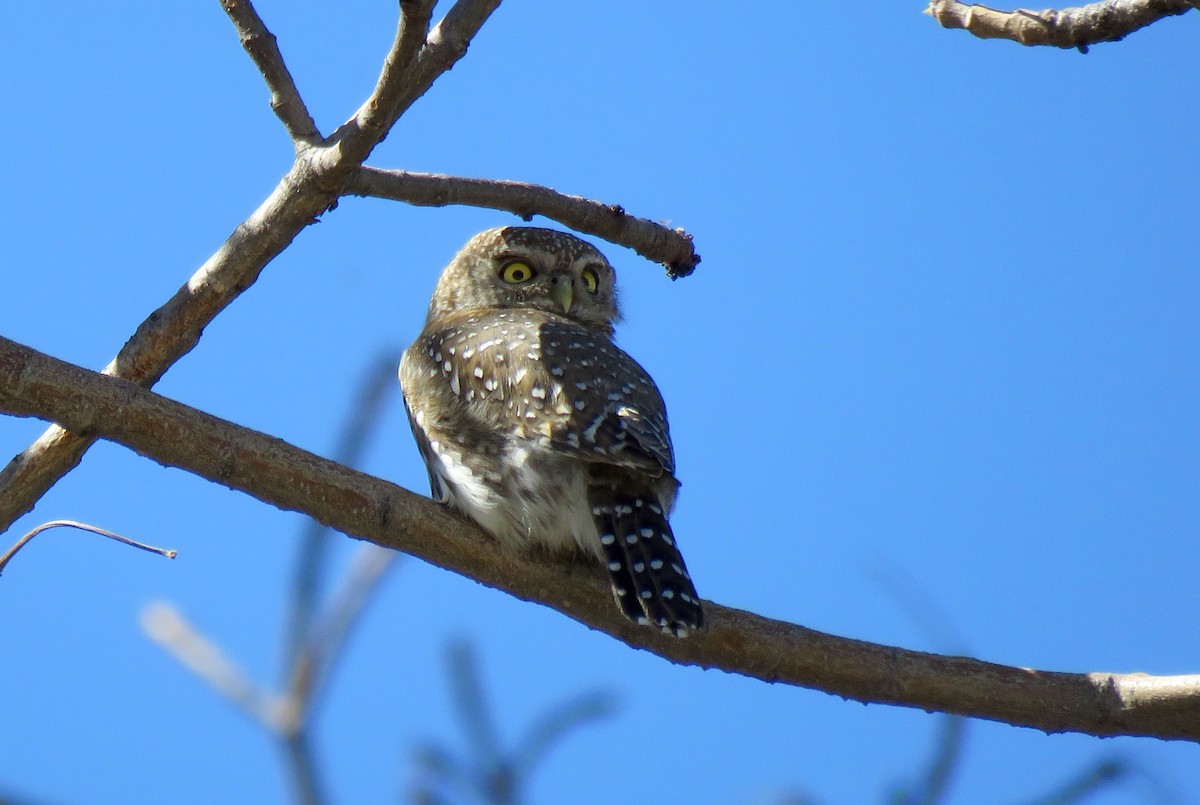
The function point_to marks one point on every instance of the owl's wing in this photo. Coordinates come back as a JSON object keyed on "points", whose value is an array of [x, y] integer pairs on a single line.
{"points": [[548, 380], [603, 406], [437, 489], [623, 433]]}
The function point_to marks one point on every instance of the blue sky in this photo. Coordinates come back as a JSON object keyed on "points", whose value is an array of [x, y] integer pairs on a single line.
{"points": [[943, 341]]}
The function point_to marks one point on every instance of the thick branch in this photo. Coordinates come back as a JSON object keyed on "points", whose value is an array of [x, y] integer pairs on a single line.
{"points": [[32, 384], [671, 247], [1078, 27], [260, 44]]}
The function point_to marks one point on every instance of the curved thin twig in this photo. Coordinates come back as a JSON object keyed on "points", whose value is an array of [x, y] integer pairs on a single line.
{"points": [[671, 247], [1078, 27], [23, 541], [33, 384]]}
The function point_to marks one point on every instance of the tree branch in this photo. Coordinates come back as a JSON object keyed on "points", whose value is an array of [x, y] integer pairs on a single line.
{"points": [[32, 384], [370, 124], [410, 68], [260, 44], [671, 247], [311, 186], [174, 329], [1079, 27]]}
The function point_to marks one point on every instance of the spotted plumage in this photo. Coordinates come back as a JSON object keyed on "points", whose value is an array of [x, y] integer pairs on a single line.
{"points": [[535, 424]]}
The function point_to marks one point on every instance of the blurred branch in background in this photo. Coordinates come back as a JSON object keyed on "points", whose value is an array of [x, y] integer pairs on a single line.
{"points": [[1078, 27], [932, 787], [9, 798], [362, 421], [1101, 775], [165, 624], [315, 636], [485, 772], [1110, 773]]}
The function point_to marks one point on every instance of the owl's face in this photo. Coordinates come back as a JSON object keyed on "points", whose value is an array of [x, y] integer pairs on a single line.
{"points": [[527, 267]]}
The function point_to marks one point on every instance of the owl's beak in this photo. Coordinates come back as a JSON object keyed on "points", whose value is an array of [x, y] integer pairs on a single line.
{"points": [[563, 291]]}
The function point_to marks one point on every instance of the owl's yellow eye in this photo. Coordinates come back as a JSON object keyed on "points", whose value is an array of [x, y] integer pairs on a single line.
{"points": [[516, 272], [590, 280]]}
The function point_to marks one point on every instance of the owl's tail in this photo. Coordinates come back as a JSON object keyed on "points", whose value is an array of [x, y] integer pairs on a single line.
{"points": [[649, 579]]}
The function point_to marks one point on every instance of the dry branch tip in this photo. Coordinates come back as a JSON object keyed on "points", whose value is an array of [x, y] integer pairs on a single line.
{"points": [[1077, 27], [170, 553]]}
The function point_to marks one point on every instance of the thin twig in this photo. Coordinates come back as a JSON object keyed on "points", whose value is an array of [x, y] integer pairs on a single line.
{"points": [[263, 49], [7, 557], [1078, 27], [311, 650], [437, 766], [671, 247], [32, 384], [934, 784]]}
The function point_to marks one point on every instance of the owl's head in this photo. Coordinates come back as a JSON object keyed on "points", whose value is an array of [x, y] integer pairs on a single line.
{"points": [[529, 267]]}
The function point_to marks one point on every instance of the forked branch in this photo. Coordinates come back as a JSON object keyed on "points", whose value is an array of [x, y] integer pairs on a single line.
{"points": [[262, 48], [32, 384], [323, 171]]}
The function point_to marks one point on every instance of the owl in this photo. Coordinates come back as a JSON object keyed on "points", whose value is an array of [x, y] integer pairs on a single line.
{"points": [[534, 424]]}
